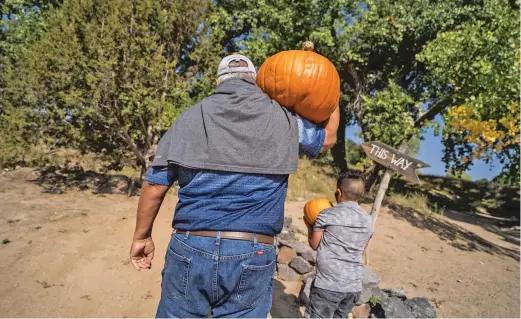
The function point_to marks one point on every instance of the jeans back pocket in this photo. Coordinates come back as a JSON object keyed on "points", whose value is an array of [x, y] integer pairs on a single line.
{"points": [[175, 275], [255, 283]]}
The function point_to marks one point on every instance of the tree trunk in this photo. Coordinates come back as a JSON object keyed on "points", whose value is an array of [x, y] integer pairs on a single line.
{"points": [[373, 176], [339, 150]]}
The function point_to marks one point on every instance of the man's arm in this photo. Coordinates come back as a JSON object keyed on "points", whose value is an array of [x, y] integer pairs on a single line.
{"points": [[331, 128], [316, 138], [150, 201], [155, 187]]}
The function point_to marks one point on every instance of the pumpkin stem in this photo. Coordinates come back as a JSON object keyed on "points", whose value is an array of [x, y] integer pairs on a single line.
{"points": [[308, 46]]}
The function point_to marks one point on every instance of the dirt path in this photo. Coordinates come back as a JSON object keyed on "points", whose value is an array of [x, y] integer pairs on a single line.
{"points": [[67, 257]]}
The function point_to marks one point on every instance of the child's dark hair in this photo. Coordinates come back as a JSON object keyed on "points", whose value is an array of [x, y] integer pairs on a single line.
{"points": [[352, 185]]}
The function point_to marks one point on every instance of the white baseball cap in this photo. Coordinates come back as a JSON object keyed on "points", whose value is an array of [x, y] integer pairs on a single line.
{"points": [[224, 67]]}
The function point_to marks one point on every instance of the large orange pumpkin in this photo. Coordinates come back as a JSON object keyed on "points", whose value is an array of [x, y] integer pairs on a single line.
{"points": [[302, 80], [314, 207]]}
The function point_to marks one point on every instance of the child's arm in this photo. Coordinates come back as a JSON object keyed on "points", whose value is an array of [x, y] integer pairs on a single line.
{"points": [[314, 236], [367, 244]]}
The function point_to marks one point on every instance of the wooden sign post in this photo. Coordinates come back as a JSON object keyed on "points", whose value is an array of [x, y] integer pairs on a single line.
{"points": [[395, 160]]}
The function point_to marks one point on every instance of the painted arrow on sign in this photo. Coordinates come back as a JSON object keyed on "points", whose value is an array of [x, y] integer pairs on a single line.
{"points": [[393, 159]]}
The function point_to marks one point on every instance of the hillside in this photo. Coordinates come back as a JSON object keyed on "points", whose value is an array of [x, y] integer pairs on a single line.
{"points": [[436, 194]]}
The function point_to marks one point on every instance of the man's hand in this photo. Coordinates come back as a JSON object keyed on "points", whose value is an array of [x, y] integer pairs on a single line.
{"points": [[142, 249], [142, 253], [331, 130]]}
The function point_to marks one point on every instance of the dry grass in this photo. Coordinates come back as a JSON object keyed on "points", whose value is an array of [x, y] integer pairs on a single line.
{"points": [[311, 181], [416, 201]]}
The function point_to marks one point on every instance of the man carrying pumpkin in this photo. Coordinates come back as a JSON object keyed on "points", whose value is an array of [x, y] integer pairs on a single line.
{"points": [[232, 154]]}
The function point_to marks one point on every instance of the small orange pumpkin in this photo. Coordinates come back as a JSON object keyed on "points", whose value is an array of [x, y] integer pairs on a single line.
{"points": [[314, 207], [302, 80]]}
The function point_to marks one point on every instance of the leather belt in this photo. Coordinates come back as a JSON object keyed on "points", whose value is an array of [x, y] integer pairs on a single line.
{"points": [[265, 239]]}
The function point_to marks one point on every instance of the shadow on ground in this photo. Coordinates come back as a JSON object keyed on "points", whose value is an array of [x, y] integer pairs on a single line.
{"points": [[284, 305], [466, 196], [55, 180], [458, 237], [489, 223]]}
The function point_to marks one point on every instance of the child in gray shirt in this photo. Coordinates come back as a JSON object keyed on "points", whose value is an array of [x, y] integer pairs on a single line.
{"points": [[340, 236]]}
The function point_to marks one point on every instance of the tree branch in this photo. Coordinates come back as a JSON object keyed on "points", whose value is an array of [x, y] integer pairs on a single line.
{"points": [[141, 159], [431, 113], [145, 131]]}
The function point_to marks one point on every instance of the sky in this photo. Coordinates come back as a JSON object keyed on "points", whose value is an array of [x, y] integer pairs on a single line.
{"points": [[431, 152]]}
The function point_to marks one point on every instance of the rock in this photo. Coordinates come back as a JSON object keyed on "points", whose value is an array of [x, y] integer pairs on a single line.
{"points": [[297, 245], [284, 272], [309, 275], [302, 248], [286, 255], [287, 242], [285, 235], [288, 221], [370, 278], [310, 255], [303, 232], [369, 292], [420, 308], [301, 265], [394, 308], [361, 311], [303, 296], [292, 229], [396, 292]]}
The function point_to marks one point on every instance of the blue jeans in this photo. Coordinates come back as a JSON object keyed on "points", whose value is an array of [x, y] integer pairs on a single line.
{"points": [[221, 277]]}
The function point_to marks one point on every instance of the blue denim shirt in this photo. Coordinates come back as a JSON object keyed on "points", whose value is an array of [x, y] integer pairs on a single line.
{"points": [[225, 201]]}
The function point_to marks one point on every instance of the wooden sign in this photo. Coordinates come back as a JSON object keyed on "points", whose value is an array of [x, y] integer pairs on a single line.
{"points": [[393, 159]]}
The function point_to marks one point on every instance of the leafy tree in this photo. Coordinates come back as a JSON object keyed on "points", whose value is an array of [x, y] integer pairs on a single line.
{"points": [[479, 64], [391, 88], [110, 76], [21, 21], [21, 24], [414, 146], [354, 153]]}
